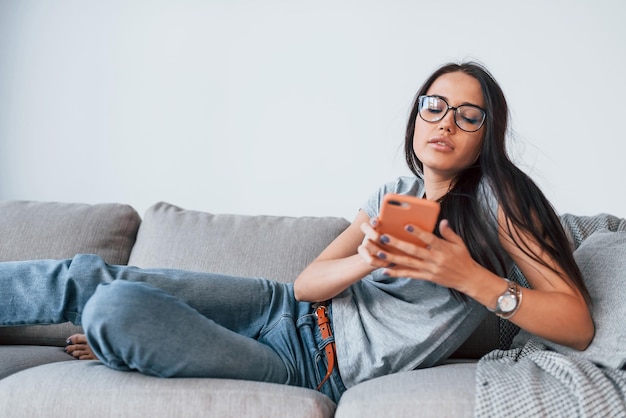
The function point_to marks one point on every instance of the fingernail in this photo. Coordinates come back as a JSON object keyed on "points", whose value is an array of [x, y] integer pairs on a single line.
{"points": [[384, 239], [409, 228], [381, 255], [373, 222], [391, 265], [68, 341]]}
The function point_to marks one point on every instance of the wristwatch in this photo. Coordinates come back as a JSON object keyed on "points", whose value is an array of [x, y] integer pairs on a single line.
{"points": [[509, 302]]}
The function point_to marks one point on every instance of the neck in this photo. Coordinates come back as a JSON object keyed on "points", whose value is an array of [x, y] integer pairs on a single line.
{"points": [[436, 186]]}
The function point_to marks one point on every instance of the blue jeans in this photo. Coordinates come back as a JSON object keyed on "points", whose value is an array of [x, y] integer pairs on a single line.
{"points": [[173, 323]]}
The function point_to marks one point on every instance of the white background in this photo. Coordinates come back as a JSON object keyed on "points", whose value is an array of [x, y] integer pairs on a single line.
{"points": [[294, 107]]}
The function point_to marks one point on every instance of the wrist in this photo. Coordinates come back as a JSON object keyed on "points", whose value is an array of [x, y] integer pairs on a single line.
{"points": [[509, 302]]}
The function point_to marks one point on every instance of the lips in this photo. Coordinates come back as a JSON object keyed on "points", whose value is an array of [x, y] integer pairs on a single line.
{"points": [[441, 141]]}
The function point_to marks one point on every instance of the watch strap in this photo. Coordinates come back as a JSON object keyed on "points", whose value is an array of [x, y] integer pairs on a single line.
{"points": [[514, 290]]}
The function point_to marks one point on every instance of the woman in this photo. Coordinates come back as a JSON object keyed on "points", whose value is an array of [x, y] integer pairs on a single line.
{"points": [[388, 312]]}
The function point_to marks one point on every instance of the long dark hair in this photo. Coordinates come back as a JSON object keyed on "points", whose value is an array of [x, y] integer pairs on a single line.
{"points": [[524, 205]]}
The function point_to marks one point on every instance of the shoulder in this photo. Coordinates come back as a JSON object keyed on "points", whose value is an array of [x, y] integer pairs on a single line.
{"points": [[406, 185]]}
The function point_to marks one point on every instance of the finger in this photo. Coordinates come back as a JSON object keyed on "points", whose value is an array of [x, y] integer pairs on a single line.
{"points": [[425, 239], [448, 233], [402, 271], [370, 255], [370, 233]]}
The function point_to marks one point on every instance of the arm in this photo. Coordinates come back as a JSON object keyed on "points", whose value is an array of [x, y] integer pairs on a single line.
{"points": [[551, 296], [553, 309], [337, 267]]}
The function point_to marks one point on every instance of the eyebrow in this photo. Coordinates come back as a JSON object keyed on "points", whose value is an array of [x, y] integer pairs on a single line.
{"points": [[462, 104]]}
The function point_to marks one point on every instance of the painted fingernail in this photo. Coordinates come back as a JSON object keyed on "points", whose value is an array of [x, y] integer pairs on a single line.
{"points": [[381, 255], [68, 341], [409, 228], [373, 222], [391, 265], [384, 239]]}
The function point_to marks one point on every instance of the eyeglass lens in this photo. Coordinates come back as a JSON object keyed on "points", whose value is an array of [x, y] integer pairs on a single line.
{"points": [[467, 117]]}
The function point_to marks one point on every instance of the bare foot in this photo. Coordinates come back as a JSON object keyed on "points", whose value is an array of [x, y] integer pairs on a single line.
{"points": [[76, 346]]}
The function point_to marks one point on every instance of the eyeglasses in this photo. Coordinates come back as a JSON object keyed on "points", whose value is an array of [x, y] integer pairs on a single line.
{"points": [[468, 117]]}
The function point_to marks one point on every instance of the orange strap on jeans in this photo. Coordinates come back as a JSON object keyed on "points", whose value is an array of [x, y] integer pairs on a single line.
{"points": [[331, 356]]}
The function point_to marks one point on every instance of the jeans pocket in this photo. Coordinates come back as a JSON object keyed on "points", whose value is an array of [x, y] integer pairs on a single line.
{"points": [[314, 346]]}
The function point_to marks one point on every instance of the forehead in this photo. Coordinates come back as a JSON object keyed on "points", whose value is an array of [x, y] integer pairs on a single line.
{"points": [[458, 88]]}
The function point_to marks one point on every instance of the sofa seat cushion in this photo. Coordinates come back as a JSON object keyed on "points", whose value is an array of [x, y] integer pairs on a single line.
{"points": [[91, 389], [14, 358], [274, 247], [442, 391], [44, 230]]}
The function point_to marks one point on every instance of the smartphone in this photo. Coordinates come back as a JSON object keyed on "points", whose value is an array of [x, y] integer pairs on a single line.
{"points": [[397, 211]]}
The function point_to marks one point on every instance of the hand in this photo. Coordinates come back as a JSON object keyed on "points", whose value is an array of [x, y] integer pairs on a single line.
{"points": [[77, 346], [445, 261]]}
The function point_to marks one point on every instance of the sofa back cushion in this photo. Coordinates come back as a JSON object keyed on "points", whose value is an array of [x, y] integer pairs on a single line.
{"points": [[274, 247], [40, 230], [603, 266]]}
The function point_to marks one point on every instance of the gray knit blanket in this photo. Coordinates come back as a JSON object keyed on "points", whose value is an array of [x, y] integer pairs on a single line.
{"points": [[534, 381], [538, 378]]}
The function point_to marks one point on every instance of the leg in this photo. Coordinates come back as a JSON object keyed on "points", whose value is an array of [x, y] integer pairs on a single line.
{"points": [[53, 291], [48, 291], [134, 326]]}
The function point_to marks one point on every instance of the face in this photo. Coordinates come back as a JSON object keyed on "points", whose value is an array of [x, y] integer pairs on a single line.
{"points": [[442, 146]]}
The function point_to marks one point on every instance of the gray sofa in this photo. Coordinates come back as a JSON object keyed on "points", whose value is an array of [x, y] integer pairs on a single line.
{"points": [[38, 379]]}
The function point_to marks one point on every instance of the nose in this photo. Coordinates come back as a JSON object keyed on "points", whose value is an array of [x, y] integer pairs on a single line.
{"points": [[447, 122]]}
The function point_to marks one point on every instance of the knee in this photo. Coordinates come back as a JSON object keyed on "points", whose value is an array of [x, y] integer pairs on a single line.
{"points": [[107, 302], [113, 309], [108, 320]]}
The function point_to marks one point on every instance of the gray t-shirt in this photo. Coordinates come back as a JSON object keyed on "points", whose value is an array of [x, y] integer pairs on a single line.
{"points": [[386, 325]]}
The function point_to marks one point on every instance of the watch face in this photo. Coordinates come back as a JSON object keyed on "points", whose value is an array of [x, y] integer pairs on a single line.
{"points": [[507, 303]]}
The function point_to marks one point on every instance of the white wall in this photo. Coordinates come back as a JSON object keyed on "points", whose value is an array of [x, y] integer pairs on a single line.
{"points": [[293, 107]]}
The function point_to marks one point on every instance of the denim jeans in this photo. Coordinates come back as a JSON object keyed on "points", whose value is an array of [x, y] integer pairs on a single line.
{"points": [[174, 323]]}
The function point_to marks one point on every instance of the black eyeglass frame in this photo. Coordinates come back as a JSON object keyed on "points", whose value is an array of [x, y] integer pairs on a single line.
{"points": [[421, 98]]}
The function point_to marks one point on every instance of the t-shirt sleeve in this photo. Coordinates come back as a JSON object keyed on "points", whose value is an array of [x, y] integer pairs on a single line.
{"points": [[412, 186]]}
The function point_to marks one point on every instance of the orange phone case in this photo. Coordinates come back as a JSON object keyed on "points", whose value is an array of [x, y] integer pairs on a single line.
{"points": [[397, 211]]}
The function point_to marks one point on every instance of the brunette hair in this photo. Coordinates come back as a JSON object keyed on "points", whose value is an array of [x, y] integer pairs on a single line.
{"points": [[524, 205]]}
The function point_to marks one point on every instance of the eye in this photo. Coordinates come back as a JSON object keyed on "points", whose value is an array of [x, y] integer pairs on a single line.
{"points": [[470, 115], [470, 120], [434, 105]]}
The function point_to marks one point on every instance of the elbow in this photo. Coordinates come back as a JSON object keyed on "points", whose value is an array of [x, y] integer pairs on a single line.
{"points": [[298, 292], [584, 335], [585, 338]]}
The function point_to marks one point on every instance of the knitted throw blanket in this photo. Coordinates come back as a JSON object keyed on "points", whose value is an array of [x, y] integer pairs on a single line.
{"points": [[533, 381], [539, 378]]}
